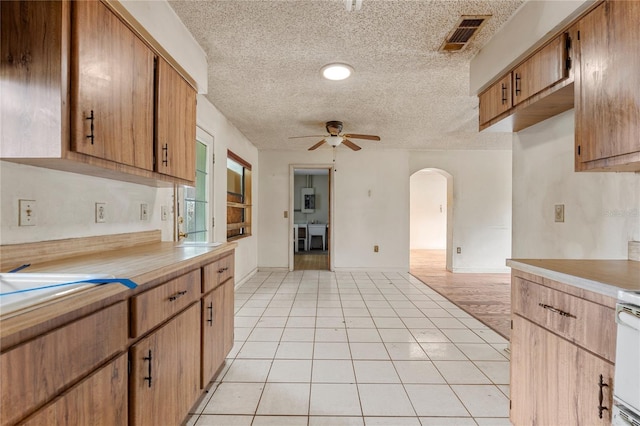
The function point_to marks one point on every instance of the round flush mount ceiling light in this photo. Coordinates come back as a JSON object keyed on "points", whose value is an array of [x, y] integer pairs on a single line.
{"points": [[336, 71]]}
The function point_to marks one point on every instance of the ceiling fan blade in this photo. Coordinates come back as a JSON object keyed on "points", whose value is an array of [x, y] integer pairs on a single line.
{"points": [[351, 145], [308, 136], [317, 145], [356, 136]]}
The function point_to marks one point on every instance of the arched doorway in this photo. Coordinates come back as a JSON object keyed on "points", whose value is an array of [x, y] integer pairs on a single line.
{"points": [[431, 216]]}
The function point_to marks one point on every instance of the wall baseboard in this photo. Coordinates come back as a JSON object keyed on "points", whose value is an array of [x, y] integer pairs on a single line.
{"points": [[246, 278], [503, 270]]}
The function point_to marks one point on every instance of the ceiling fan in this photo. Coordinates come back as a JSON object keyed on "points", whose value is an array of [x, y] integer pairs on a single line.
{"points": [[336, 137]]}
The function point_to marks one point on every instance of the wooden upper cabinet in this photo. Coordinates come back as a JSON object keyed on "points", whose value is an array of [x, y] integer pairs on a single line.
{"points": [[175, 124], [495, 100], [544, 69], [608, 100], [111, 88]]}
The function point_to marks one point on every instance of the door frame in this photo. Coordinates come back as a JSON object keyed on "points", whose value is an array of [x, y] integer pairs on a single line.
{"points": [[330, 244]]}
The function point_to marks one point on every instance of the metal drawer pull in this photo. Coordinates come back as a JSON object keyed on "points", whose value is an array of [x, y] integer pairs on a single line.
{"points": [[177, 295], [210, 308], [148, 358], [601, 408], [556, 310], [221, 270]]}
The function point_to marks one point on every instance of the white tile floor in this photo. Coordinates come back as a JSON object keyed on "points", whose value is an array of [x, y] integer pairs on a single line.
{"points": [[368, 348]]}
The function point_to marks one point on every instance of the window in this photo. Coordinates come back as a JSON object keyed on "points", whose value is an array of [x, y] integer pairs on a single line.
{"points": [[238, 197]]}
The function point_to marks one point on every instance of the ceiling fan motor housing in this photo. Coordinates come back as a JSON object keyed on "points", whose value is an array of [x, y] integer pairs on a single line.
{"points": [[334, 128]]}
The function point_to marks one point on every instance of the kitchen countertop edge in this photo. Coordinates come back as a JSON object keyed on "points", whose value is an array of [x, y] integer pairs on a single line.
{"points": [[547, 268]]}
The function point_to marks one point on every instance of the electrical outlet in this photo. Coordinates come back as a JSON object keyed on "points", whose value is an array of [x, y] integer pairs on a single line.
{"points": [[459, 250], [27, 213], [101, 212], [559, 212], [164, 213], [376, 249], [144, 211]]}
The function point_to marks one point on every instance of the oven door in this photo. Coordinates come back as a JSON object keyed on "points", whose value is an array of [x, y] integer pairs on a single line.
{"points": [[627, 369]]}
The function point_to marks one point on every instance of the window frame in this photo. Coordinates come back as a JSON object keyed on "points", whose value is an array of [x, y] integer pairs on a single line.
{"points": [[242, 206]]}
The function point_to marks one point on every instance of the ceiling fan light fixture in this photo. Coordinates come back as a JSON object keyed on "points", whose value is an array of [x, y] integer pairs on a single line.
{"points": [[334, 141], [336, 71]]}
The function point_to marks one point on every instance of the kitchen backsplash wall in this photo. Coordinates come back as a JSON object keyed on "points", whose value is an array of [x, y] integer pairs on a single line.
{"points": [[601, 210], [65, 205]]}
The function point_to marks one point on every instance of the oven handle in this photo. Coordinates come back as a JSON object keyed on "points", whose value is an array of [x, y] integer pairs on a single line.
{"points": [[628, 318]]}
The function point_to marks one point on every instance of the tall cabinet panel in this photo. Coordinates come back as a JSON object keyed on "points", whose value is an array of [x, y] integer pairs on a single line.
{"points": [[175, 124], [608, 100], [112, 88]]}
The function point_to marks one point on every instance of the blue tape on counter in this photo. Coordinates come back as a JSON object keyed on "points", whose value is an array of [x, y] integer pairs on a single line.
{"points": [[124, 281]]}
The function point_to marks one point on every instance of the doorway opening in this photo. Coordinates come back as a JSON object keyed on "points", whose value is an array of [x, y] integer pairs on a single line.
{"points": [[431, 219], [311, 218]]}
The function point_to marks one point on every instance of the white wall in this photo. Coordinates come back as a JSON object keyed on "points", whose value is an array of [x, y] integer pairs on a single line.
{"points": [[481, 205], [65, 205], [371, 207], [428, 211], [602, 210], [371, 190]]}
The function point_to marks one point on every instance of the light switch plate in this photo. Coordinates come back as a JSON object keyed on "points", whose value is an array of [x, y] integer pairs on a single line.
{"points": [[559, 212], [144, 211], [27, 213]]}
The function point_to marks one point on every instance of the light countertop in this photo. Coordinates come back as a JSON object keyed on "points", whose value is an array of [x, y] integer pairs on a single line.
{"points": [[606, 277]]}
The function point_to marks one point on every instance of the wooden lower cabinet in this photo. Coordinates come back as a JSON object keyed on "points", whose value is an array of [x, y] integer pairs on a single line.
{"points": [[554, 382], [165, 373], [101, 399], [34, 373], [217, 329]]}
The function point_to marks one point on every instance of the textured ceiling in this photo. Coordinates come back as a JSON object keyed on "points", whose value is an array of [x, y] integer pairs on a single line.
{"points": [[264, 60]]}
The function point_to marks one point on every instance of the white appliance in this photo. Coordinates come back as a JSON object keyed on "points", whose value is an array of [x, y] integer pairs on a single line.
{"points": [[626, 388]]}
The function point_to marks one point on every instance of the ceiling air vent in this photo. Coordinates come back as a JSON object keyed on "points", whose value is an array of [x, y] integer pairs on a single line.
{"points": [[463, 32]]}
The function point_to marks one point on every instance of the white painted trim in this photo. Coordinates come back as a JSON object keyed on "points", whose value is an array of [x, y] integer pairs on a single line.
{"points": [[272, 269], [246, 278]]}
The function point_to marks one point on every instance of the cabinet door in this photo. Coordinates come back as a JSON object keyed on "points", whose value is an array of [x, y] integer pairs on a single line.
{"points": [[544, 69], [554, 381], [495, 100], [111, 88], [101, 399], [175, 124], [35, 372], [608, 99], [212, 334], [165, 373]]}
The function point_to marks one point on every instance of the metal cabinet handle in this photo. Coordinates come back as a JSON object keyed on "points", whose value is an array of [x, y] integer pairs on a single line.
{"points": [[221, 270], [177, 295], [518, 78], [148, 358], [504, 93], [601, 408], [90, 118], [556, 310], [165, 148], [210, 308]]}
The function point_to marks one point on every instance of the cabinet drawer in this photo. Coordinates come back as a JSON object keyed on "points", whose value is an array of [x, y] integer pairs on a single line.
{"points": [[567, 315], [155, 306], [99, 399], [218, 272], [36, 371]]}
